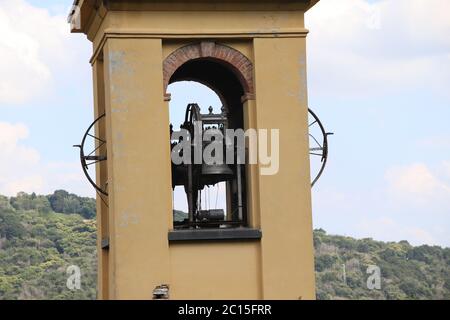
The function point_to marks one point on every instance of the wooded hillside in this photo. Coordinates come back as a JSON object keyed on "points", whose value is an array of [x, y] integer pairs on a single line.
{"points": [[41, 236]]}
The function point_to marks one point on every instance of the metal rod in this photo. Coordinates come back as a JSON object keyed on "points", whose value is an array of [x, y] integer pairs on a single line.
{"points": [[315, 140], [189, 194], [97, 138], [99, 146], [239, 192], [95, 158], [313, 123]]}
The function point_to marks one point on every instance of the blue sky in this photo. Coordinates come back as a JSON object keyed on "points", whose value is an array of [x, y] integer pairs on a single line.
{"points": [[378, 75]]}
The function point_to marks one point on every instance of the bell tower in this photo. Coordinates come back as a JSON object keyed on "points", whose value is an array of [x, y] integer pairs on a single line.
{"points": [[253, 55]]}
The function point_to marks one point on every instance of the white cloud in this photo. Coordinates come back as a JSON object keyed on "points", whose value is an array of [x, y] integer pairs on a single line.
{"points": [[21, 167], [27, 184], [12, 153], [417, 197], [358, 48], [417, 185], [33, 45], [387, 229], [411, 203]]}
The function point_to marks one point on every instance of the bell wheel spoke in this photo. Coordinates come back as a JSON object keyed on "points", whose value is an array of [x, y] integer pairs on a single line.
{"points": [[96, 138], [98, 147], [312, 123], [94, 162]]}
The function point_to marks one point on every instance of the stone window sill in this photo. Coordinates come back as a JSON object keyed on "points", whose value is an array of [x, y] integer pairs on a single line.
{"points": [[215, 234]]}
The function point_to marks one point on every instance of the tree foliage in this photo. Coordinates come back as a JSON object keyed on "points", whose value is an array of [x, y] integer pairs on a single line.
{"points": [[37, 245], [407, 272], [60, 201]]}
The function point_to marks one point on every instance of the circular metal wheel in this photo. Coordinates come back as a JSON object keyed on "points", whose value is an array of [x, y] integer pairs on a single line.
{"points": [[89, 147], [318, 146]]}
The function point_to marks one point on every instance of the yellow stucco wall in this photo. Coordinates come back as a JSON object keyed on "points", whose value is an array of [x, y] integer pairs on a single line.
{"points": [[129, 49], [220, 270], [285, 199], [139, 201], [101, 178]]}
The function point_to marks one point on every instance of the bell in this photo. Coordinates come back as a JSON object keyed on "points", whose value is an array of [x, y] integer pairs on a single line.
{"points": [[216, 169], [214, 173]]}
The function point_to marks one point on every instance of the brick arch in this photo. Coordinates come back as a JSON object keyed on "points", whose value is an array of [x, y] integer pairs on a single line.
{"points": [[241, 66]]}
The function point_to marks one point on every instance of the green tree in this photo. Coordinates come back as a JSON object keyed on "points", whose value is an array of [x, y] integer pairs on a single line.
{"points": [[10, 225]]}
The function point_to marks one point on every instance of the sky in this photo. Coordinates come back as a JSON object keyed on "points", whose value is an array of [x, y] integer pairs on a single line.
{"points": [[378, 77]]}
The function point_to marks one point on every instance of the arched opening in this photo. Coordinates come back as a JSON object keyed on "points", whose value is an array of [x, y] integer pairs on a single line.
{"points": [[221, 80], [183, 93], [218, 195]]}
